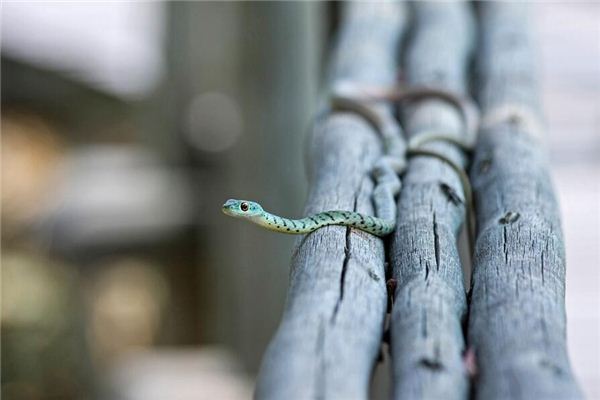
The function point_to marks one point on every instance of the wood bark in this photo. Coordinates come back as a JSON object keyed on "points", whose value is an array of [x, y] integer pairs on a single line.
{"points": [[517, 315], [427, 341], [329, 338]]}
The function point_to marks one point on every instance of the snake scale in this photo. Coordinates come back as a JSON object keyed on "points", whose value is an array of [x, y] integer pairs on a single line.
{"points": [[386, 170]]}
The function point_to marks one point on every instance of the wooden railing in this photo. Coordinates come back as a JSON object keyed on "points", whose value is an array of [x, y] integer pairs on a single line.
{"points": [[517, 312], [329, 338], [430, 302], [508, 341]]}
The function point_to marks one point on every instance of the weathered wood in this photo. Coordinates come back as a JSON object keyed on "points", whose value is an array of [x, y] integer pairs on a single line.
{"points": [[330, 334], [517, 316], [427, 341]]}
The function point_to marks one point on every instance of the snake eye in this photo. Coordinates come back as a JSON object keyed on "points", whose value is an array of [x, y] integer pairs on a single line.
{"points": [[244, 206]]}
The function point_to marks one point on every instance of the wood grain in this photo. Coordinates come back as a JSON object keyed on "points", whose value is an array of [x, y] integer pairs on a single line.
{"points": [[430, 305], [329, 338], [517, 315]]}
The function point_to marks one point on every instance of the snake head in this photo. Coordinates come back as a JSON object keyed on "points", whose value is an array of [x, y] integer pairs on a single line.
{"points": [[241, 208]]}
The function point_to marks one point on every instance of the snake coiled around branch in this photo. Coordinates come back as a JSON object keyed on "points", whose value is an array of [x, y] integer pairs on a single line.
{"points": [[386, 171]]}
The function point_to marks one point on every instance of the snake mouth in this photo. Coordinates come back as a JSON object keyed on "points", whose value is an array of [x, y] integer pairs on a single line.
{"points": [[227, 207], [226, 211]]}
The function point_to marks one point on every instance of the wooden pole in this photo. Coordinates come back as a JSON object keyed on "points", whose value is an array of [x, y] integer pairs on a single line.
{"points": [[517, 315], [329, 338], [427, 341]]}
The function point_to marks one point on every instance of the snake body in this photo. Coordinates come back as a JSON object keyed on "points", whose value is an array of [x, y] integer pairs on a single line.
{"points": [[386, 170], [253, 212]]}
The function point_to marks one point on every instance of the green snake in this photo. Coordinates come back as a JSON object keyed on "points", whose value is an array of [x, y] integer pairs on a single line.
{"points": [[385, 171], [253, 212]]}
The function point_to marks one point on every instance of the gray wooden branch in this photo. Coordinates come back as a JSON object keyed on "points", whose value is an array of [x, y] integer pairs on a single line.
{"points": [[517, 315], [329, 338], [427, 341]]}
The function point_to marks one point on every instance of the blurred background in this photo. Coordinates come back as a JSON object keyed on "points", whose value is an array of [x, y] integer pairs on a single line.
{"points": [[125, 125]]}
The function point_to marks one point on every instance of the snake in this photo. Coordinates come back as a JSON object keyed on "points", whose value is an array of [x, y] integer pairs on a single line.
{"points": [[386, 170], [252, 211]]}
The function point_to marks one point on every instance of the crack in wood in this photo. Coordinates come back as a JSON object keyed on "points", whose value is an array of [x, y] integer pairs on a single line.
{"points": [[342, 275], [450, 194], [372, 275], [344, 264], [434, 365], [505, 244], [436, 243], [543, 266]]}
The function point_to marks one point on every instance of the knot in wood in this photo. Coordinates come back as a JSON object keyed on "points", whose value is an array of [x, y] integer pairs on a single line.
{"points": [[509, 218]]}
